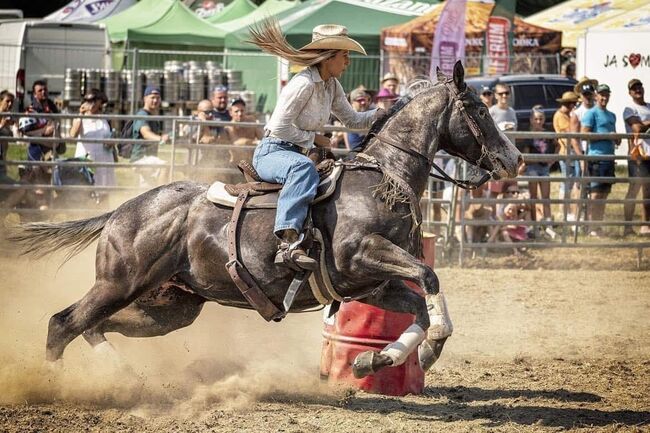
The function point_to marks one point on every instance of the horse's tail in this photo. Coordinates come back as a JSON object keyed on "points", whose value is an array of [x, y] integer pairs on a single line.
{"points": [[43, 238]]}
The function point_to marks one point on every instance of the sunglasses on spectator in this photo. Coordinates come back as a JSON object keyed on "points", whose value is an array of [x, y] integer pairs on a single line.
{"points": [[637, 87], [206, 112], [503, 93], [487, 93]]}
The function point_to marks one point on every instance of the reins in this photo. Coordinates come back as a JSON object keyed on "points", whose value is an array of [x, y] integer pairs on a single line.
{"points": [[476, 132]]}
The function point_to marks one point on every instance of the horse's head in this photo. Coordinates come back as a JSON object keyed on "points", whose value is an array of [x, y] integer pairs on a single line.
{"points": [[471, 133]]}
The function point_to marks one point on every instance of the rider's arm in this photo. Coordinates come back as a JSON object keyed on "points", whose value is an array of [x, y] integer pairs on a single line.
{"points": [[342, 109], [575, 127]]}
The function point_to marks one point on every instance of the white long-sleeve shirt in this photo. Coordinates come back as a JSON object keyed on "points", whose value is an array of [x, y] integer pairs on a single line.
{"points": [[305, 106]]}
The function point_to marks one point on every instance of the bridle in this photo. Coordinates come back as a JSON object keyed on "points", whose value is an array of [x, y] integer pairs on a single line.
{"points": [[473, 127]]}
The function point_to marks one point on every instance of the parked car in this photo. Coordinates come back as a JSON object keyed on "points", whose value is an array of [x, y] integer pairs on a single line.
{"points": [[527, 91]]}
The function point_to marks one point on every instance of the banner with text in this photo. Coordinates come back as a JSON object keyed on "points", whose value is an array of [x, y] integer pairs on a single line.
{"points": [[498, 38], [449, 38]]}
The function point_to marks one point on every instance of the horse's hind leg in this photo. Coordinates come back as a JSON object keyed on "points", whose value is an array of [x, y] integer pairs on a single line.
{"points": [[156, 313]]}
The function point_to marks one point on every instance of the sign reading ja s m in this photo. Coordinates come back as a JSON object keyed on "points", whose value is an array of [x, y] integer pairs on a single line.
{"points": [[632, 60]]}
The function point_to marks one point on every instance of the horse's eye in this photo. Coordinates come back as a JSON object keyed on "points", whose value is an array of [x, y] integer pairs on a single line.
{"points": [[482, 112]]}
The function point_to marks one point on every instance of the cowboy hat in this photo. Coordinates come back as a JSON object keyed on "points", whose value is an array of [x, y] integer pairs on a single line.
{"points": [[583, 85], [384, 93], [568, 96], [332, 37], [389, 76]]}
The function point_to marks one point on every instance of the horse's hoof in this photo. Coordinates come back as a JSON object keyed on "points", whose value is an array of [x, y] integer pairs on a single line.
{"points": [[362, 365], [429, 351], [369, 362]]}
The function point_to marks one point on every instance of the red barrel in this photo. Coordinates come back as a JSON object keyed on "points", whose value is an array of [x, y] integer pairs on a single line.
{"points": [[358, 327]]}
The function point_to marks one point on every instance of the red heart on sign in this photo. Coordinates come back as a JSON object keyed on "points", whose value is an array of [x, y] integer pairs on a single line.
{"points": [[634, 59]]}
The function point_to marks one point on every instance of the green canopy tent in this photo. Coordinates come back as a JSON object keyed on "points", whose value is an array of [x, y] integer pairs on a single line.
{"points": [[233, 11], [364, 20], [163, 25], [251, 63]]}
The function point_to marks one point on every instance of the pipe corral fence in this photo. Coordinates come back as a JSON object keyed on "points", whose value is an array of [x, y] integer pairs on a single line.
{"points": [[446, 208]]}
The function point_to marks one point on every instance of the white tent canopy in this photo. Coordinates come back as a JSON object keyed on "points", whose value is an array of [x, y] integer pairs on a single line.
{"points": [[89, 11]]}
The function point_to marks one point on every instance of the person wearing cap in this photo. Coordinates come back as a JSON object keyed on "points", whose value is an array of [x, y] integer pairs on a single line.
{"points": [[41, 103], [386, 99], [304, 106], [149, 130], [360, 101], [562, 123], [599, 120], [586, 88], [637, 120], [93, 104], [487, 96], [219, 99], [390, 82]]}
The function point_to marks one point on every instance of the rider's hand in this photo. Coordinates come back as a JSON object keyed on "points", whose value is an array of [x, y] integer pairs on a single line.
{"points": [[379, 113], [164, 138]]}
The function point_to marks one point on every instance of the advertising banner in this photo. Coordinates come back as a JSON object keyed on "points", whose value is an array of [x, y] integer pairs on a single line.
{"points": [[449, 39], [498, 38], [89, 11]]}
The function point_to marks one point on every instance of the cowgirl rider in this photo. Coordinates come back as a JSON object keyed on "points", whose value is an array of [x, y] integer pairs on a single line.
{"points": [[304, 106]]}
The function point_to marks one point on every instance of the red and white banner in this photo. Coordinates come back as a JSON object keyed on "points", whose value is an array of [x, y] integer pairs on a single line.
{"points": [[497, 44], [449, 38], [89, 11]]}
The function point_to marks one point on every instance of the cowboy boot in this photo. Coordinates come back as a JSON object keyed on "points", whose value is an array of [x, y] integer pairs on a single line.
{"points": [[291, 253]]}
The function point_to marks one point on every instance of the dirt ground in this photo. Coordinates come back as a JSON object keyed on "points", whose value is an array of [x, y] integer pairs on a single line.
{"points": [[533, 351]]}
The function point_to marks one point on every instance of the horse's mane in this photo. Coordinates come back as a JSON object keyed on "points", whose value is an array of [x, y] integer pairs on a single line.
{"points": [[414, 87]]}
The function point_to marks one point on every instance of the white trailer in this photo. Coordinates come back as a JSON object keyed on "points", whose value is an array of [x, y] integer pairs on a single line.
{"points": [[614, 57], [32, 50]]}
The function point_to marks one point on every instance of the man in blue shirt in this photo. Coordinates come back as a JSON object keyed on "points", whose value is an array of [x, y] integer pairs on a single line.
{"points": [[599, 120], [149, 130]]}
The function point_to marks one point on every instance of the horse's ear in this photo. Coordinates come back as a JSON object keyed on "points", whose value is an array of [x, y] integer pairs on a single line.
{"points": [[459, 76], [441, 77]]}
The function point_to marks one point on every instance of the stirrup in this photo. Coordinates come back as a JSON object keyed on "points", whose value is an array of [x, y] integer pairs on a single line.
{"points": [[295, 258]]}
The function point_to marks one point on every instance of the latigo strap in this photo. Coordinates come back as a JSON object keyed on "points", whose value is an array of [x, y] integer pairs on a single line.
{"points": [[240, 275]]}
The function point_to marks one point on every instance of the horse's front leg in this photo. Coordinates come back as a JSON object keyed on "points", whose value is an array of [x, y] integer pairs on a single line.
{"points": [[384, 260]]}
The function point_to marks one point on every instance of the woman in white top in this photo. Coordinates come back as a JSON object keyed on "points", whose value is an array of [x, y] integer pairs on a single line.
{"points": [[303, 108], [94, 128]]}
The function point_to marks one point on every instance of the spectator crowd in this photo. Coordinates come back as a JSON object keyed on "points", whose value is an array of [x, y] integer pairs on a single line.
{"points": [[585, 109]]}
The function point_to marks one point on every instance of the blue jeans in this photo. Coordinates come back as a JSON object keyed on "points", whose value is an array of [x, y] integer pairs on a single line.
{"points": [[279, 161], [572, 173]]}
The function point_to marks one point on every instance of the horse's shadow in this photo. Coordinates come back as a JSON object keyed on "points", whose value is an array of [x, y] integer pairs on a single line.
{"points": [[455, 407]]}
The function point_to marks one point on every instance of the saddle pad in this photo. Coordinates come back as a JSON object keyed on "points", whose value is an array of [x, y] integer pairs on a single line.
{"points": [[217, 193]]}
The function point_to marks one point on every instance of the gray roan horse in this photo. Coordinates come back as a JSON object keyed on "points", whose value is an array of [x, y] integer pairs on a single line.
{"points": [[174, 233]]}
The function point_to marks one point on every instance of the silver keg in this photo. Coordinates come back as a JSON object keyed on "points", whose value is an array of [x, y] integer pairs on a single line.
{"points": [[233, 79], [93, 80], [128, 82], [196, 85], [195, 64], [216, 78], [72, 85], [111, 85], [153, 77], [172, 85]]}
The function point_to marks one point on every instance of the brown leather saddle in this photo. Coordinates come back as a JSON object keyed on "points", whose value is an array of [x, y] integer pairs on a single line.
{"points": [[255, 193]]}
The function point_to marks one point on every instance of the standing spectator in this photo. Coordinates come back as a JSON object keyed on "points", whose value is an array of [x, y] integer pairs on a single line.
{"points": [[487, 96], [220, 111], [599, 120], [390, 82], [539, 146], [95, 128], [360, 103], [149, 130], [586, 88], [506, 120], [562, 123], [41, 103], [6, 103], [637, 120], [502, 113], [386, 99]]}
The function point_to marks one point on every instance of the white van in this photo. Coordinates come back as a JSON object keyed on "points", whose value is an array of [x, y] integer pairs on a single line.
{"points": [[32, 50]]}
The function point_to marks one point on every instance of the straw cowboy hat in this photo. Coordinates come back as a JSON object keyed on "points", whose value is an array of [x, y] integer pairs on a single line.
{"points": [[584, 81], [567, 97], [332, 37]]}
